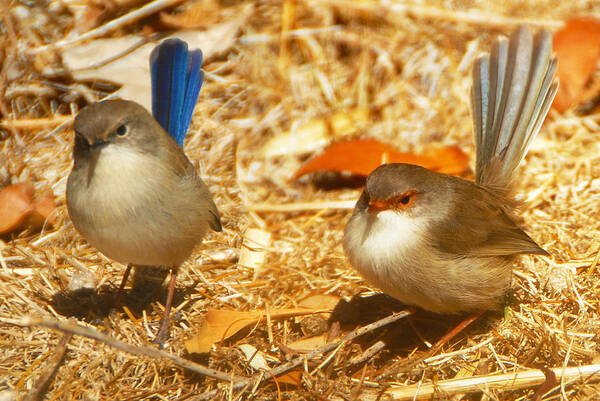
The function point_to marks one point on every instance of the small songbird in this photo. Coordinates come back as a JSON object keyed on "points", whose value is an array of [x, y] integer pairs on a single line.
{"points": [[444, 243], [132, 193]]}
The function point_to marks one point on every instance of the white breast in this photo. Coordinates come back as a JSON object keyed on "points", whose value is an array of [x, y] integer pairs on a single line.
{"points": [[383, 235], [381, 247]]}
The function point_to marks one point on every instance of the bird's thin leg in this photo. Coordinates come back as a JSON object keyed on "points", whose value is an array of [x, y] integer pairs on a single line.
{"points": [[163, 330], [460, 327], [117, 302]]}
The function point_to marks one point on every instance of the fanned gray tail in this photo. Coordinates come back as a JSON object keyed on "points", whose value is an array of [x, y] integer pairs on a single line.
{"points": [[513, 88]]}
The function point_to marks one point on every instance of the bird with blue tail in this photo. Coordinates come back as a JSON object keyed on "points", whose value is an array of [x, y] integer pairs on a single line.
{"points": [[132, 193]]}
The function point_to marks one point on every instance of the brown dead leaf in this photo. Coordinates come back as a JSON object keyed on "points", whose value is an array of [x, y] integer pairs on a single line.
{"points": [[577, 47], [362, 156], [222, 324], [18, 209]]}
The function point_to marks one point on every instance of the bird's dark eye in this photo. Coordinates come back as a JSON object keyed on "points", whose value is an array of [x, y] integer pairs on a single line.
{"points": [[405, 200], [122, 130]]}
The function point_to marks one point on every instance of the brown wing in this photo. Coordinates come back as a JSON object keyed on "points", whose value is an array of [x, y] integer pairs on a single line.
{"points": [[482, 226], [183, 168]]}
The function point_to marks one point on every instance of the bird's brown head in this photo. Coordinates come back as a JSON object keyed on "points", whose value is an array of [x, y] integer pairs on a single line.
{"points": [[404, 188], [119, 122]]}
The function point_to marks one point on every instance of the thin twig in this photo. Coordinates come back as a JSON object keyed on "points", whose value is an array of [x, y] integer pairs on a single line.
{"points": [[35, 123], [139, 350], [367, 354], [475, 384], [286, 367], [135, 15], [459, 352], [41, 384]]}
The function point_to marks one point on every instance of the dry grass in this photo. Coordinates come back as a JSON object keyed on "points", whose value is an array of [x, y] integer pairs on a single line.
{"points": [[412, 70]]}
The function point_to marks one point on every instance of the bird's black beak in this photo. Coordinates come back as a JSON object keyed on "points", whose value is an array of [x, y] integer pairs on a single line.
{"points": [[93, 145]]}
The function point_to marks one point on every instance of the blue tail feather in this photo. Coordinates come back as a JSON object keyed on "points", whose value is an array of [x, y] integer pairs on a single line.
{"points": [[176, 81], [194, 80]]}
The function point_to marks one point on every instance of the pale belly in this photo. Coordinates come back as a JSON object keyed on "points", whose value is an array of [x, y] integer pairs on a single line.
{"points": [[395, 259], [150, 220]]}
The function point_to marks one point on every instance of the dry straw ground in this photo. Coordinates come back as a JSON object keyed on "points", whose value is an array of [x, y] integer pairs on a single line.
{"points": [[409, 65]]}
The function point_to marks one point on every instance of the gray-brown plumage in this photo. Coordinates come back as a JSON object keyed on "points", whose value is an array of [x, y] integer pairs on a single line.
{"points": [[135, 196], [132, 193], [444, 243]]}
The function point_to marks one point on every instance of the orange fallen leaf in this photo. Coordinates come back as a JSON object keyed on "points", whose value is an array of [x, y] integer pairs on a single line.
{"points": [[577, 47], [18, 208], [294, 378], [15, 205], [361, 156], [43, 207], [222, 324]]}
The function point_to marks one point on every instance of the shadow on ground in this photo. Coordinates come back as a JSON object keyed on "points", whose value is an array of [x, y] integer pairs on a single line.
{"points": [[93, 305], [417, 332]]}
